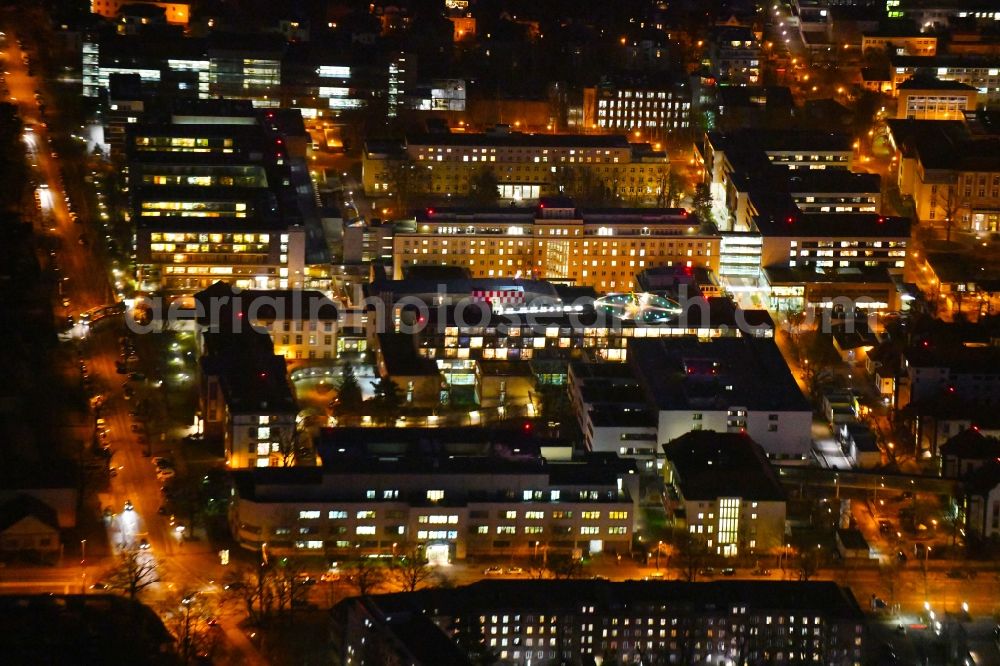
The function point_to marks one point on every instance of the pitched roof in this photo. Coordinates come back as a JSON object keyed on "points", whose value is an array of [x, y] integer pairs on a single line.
{"points": [[972, 444], [22, 506]]}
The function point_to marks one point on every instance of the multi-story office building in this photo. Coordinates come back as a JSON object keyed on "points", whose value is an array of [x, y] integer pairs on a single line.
{"points": [[453, 492], [983, 74], [644, 110], [821, 241], [245, 399], [302, 324], [220, 65], [599, 248], [928, 98], [526, 166], [952, 175], [579, 621], [219, 196], [724, 491]]}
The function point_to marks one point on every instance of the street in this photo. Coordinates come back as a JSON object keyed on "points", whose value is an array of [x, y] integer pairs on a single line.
{"points": [[182, 566]]}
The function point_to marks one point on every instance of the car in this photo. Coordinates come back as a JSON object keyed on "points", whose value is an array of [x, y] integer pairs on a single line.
{"points": [[656, 575], [165, 473], [729, 571], [162, 463], [885, 527], [303, 578], [515, 571], [706, 571], [128, 505], [144, 544], [493, 571], [137, 376], [331, 575], [234, 586], [99, 586], [760, 572]]}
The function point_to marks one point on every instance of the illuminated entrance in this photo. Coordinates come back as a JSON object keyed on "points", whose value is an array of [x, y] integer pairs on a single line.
{"points": [[437, 554]]}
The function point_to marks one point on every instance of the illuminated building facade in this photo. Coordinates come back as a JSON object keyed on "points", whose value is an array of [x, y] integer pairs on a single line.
{"points": [[650, 111], [578, 621], [175, 12], [726, 493], [983, 74], [601, 248], [952, 175], [927, 98], [214, 198], [245, 399], [229, 66], [527, 166], [481, 492]]}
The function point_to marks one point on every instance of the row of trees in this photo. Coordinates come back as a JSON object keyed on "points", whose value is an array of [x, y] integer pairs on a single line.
{"points": [[385, 406], [408, 180]]}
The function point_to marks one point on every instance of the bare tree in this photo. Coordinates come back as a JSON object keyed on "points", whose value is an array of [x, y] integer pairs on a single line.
{"points": [[889, 574], [365, 575], [190, 620], [411, 570], [134, 570], [561, 566], [288, 440], [950, 206], [808, 562], [692, 553]]}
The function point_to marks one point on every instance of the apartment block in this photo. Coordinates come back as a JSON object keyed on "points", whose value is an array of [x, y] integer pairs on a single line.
{"points": [[245, 399], [578, 621]]}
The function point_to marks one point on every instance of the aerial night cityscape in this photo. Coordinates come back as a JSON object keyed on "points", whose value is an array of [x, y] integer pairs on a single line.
{"points": [[500, 332]]}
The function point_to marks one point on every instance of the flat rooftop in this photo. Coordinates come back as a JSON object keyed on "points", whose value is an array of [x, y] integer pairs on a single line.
{"points": [[710, 465], [684, 373]]}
